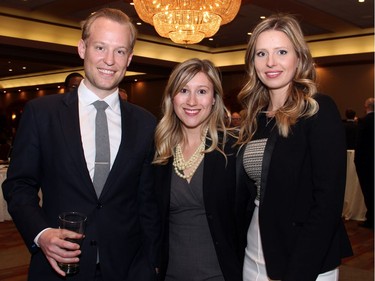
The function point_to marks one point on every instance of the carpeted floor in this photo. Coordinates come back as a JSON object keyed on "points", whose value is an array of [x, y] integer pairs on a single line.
{"points": [[14, 257], [348, 273]]}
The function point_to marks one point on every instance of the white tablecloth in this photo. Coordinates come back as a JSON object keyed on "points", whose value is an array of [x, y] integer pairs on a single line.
{"points": [[4, 215], [354, 205]]}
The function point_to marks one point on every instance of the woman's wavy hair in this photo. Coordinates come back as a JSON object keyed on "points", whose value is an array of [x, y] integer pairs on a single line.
{"points": [[169, 131], [111, 14], [254, 96]]}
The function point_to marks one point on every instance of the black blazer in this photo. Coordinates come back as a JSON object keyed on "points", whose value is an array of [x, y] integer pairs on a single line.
{"points": [[219, 187], [123, 222], [303, 177]]}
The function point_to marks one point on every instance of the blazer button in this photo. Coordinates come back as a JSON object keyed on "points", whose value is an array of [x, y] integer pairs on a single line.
{"points": [[99, 206], [92, 243]]}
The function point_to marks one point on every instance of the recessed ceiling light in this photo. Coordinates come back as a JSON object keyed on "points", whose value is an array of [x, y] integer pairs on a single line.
{"points": [[361, 1], [249, 33], [211, 39], [10, 69], [139, 23], [23, 67], [262, 17]]}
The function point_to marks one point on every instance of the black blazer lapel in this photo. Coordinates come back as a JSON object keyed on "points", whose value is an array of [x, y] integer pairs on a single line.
{"points": [[69, 120], [127, 141], [268, 150], [164, 176]]}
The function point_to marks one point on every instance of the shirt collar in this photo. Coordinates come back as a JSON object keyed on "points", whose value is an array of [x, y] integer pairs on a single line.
{"points": [[86, 97]]}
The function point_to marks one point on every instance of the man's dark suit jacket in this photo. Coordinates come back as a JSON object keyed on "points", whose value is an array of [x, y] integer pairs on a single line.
{"points": [[351, 129], [219, 183], [364, 163], [123, 222], [303, 180]]}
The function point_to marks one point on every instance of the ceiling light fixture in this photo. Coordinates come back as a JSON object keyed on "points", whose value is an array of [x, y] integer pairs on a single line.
{"points": [[187, 21]]}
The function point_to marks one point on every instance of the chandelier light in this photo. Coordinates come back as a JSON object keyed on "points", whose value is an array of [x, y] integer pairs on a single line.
{"points": [[187, 21]]}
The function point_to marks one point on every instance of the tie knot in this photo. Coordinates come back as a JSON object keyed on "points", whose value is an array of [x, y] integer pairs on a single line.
{"points": [[100, 105]]}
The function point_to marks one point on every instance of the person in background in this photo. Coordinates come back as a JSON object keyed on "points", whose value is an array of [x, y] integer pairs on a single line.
{"points": [[123, 94], [292, 161], [55, 150], [364, 160], [235, 119], [72, 81], [5, 148], [195, 178], [351, 128]]}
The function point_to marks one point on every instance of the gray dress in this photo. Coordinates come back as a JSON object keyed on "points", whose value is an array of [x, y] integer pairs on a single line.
{"points": [[192, 255]]}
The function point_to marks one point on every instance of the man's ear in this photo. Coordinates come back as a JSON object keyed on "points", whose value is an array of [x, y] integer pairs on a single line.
{"points": [[81, 48], [130, 59]]}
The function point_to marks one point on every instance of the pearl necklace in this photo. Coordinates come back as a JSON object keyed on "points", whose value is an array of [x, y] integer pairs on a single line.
{"points": [[180, 164]]}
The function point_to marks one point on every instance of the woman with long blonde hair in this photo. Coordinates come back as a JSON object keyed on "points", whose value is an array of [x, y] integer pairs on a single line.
{"points": [[292, 161], [196, 179]]}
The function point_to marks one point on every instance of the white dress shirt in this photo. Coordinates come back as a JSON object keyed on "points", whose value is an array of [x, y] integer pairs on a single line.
{"points": [[87, 115]]}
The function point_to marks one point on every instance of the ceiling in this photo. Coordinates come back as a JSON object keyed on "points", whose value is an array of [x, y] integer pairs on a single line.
{"points": [[320, 20]]}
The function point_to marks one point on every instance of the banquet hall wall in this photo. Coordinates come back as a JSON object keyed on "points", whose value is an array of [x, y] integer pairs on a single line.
{"points": [[348, 84]]}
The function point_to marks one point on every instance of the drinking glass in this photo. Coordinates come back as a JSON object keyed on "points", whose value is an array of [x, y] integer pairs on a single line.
{"points": [[73, 221]]}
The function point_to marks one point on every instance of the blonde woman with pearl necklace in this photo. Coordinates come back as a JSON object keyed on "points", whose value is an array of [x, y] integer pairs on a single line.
{"points": [[195, 178]]}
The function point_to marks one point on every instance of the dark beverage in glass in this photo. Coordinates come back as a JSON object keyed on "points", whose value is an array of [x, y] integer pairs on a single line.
{"points": [[69, 268], [73, 221]]}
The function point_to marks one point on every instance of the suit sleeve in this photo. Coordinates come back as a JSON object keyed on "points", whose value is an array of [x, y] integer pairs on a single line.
{"points": [[23, 180]]}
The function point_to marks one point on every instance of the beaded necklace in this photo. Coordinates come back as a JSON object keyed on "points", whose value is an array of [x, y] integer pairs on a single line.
{"points": [[193, 162]]}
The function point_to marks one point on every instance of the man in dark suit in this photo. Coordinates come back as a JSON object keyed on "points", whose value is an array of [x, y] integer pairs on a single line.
{"points": [[351, 127], [364, 160], [55, 150]]}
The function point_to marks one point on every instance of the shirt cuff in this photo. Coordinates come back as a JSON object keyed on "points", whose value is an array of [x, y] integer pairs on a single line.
{"points": [[37, 237]]}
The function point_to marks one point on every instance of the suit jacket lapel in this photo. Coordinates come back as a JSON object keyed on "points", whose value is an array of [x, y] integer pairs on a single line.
{"points": [[119, 160], [164, 176], [268, 150], [69, 120], [210, 162], [127, 142]]}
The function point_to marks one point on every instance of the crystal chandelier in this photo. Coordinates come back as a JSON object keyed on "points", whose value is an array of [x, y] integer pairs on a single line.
{"points": [[187, 21]]}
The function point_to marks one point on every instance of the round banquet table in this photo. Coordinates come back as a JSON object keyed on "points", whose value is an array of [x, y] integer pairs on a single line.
{"points": [[4, 215], [354, 205]]}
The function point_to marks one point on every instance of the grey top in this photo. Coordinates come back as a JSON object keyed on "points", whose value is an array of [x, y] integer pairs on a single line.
{"points": [[192, 255], [254, 151], [252, 161]]}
